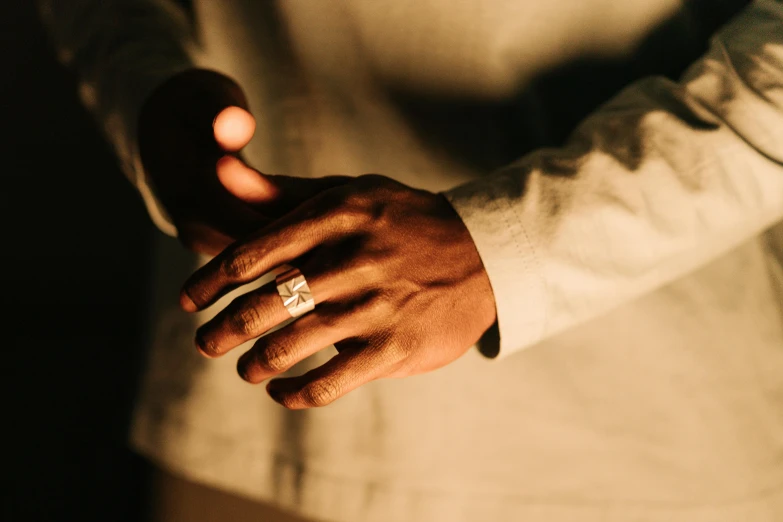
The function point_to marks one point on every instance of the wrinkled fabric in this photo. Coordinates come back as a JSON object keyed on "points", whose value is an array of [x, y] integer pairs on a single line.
{"points": [[661, 179], [636, 268]]}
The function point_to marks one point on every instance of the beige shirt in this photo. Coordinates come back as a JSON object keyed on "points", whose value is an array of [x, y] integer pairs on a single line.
{"points": [[637, 269]]}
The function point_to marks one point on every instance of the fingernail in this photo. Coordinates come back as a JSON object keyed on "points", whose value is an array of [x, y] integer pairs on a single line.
{"points": [[186, 303], [243, 368], [205, 348]]}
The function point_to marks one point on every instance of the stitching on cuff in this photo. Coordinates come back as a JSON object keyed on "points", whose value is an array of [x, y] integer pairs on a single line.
{"points": [[533, 253]]}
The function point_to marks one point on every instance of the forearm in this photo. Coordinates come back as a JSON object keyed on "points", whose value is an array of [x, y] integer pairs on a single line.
{"points": [[658, 182]]}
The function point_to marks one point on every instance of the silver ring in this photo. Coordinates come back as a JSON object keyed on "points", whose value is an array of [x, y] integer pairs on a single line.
{"points": [[295, 292]]}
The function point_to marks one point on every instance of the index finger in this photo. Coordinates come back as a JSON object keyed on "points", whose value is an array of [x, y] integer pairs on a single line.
{"points": [[281, 242]]}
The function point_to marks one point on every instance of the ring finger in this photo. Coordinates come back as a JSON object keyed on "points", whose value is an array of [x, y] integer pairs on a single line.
{"points": [[256, 312], [277, 352]]}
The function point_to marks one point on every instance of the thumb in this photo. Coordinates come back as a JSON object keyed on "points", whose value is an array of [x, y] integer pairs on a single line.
{"points": [[233, 128], [245, 183], [272, 195]]}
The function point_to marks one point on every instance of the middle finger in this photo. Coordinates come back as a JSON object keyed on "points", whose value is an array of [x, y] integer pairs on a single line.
{"points": [[256, 312]]}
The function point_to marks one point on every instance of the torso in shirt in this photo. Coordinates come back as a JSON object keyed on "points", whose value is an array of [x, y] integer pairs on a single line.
{"points": [[432, 92], [653, 404]]}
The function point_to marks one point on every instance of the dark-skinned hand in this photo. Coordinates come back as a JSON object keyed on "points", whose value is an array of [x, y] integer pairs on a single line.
{"points": [[398, 284], [186, 126]]}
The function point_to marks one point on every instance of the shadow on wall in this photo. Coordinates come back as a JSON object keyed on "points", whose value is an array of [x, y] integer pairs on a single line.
{"points": [[557, 100]]}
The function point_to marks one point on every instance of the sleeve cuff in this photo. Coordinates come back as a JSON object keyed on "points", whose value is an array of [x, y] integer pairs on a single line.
{"points": [[506, 248]]}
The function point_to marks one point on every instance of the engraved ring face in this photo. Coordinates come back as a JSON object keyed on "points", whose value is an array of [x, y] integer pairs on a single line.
{"points": [[296, 295]]}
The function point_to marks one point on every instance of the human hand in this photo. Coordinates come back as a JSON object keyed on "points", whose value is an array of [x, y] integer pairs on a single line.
{"points": [[398, 285], [186, 125]]}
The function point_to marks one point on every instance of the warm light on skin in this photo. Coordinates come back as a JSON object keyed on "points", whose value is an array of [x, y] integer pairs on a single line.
{"points": [[243, 182], [234, 127]]}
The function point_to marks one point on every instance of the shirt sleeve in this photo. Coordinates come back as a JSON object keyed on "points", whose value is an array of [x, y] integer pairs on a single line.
{"points": [[121, 50], [662, 179]]}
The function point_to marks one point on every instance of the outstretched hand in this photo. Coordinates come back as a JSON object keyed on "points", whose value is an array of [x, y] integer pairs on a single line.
{"points": [[398, 284]]}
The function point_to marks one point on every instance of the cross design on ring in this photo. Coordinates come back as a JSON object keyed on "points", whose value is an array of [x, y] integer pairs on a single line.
{"points": [[295, 292]]}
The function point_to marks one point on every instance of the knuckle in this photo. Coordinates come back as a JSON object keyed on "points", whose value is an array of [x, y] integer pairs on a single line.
{"points": [[381, 306], [238, 265], [396, 351], [372, 307], [366, 269], [355, 199], [349, 217], [321, 393], [248, 321], [381, 187], [276, 357]]}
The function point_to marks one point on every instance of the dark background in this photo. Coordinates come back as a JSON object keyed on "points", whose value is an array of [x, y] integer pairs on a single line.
{"points": [[75, 257], [75, 252]]}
